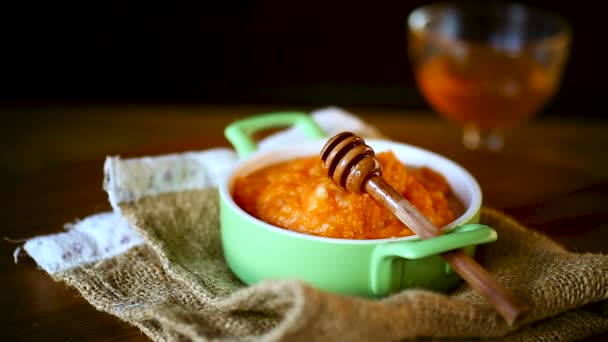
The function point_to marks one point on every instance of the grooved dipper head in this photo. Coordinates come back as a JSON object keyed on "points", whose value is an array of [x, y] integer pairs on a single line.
{"points": [[349, 161]]}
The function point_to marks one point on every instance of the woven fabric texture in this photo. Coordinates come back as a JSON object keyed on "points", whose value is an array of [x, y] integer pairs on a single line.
{"points": [[177, 286]]}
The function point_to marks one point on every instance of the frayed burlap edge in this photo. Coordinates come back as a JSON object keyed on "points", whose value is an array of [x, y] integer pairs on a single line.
{"points": [[177, 286]]}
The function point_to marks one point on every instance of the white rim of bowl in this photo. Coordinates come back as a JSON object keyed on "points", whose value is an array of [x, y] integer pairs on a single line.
{"points": [[226, 195]]}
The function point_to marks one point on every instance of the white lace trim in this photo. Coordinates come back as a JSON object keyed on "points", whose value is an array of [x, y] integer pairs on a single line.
{"points": [[98, 236]]}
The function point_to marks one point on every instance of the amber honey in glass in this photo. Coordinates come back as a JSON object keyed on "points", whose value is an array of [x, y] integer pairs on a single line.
{"points": [[487, 68]]}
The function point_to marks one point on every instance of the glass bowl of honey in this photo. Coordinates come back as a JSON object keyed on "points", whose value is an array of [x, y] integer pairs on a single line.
{"points": [[487, 67]]}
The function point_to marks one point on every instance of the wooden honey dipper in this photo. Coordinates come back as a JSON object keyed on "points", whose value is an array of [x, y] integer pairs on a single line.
{"points": [[352, 165]]}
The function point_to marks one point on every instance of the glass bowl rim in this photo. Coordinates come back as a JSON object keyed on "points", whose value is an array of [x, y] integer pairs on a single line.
{"points": [[561, 38]]}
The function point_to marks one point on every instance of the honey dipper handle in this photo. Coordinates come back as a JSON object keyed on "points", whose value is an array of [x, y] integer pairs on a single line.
{"points": [[509, 306], [401, 207]]}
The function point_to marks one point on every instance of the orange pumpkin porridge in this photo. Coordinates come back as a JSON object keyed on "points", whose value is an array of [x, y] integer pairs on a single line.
{"points": [[298, 195]]}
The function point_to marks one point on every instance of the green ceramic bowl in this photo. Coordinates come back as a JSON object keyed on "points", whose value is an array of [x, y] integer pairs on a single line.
{"points": [[257, 251]]}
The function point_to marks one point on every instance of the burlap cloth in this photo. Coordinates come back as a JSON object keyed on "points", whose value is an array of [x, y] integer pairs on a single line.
{"points": [[177, 286]]}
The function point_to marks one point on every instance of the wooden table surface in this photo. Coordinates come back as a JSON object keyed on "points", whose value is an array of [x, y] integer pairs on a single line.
{"points": [[552, 175]]}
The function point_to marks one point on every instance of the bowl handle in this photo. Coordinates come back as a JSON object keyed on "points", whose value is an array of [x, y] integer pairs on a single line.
{"points": [[239, 133], [459, 237]]}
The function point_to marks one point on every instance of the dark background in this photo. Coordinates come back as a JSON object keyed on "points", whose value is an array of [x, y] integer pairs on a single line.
{"points": [[344, 53]]}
